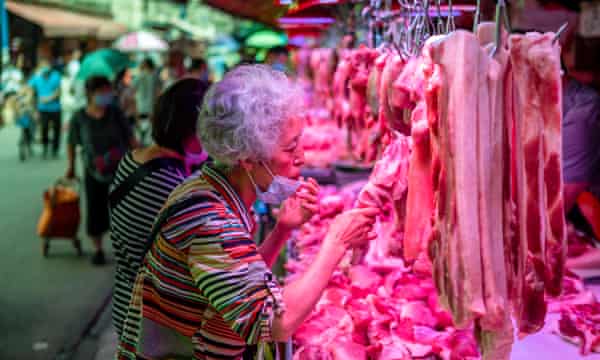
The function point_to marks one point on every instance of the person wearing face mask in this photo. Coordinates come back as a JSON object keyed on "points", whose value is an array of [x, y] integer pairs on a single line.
{"points": [[46, 87], [278, 58], [205, 289], [102, 132], [148, 175]]}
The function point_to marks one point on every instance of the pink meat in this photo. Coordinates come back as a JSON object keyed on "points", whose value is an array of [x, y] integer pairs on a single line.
{"points": [[389, 178], [350, 107], [456, 249], [495, 330], [322, 66], [386, 190], [419, 203], [363, 60], [407, 89], [341, 93], [546, 59], [581, 323], [387, 115], [375, 82], [515, 247], [536, 69]]}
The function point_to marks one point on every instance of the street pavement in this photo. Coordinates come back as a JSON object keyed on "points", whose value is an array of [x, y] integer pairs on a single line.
{"points": [[46, 304]]}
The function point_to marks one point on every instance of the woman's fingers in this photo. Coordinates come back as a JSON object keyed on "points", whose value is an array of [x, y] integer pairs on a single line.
{"points": [[308, 198], [367, 212], [311, 208], [311, 187], [315, 186], [363, 237]]}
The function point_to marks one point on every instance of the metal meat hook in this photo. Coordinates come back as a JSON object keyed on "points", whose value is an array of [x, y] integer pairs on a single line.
{"points": [[500, 10], [440, 24], [477, 16], [450, 26], [559, 32]]}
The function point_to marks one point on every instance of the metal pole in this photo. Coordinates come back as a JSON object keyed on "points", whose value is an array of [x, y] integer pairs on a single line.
{"points": [[4, 46]]}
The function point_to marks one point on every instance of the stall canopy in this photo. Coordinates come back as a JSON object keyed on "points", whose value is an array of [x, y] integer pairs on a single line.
{"points": [[264, 11], [63, 23]]}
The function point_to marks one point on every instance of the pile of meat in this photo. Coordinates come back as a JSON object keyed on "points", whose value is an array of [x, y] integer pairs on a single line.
{"points": [[377, 310], [579, 309]]}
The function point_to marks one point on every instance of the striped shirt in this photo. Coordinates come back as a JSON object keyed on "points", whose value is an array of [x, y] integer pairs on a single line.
{"points": [[204, 291], [131, 223]]}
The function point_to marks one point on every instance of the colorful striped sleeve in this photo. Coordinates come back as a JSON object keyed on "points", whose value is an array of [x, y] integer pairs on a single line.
{"points": [[231, 274]]}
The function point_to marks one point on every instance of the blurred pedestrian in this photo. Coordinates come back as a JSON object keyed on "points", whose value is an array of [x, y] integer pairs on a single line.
{"points": [[125, 94], [149, 175], [199, 70], [46, 84], [145, 93], [74, 62], [172, 70], [25, 118], [102, 132], [12, 77], [69, 101], [278, 58]]}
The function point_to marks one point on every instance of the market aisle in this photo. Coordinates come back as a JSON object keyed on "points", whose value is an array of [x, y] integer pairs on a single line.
{"points": [[45, 303]]}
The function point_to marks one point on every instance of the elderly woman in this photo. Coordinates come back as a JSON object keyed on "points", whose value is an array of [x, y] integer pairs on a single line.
{"points": [[205, 290]]}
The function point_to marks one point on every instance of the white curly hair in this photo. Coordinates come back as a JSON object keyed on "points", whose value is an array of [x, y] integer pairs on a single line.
{"points": [[244, 115]]}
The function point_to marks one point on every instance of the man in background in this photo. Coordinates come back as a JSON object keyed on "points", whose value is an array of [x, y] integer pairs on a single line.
{"points": [[69, 100], [199, 70], [145, 87], [581, 145], [581, 153], [278, 58], [46, 84]]}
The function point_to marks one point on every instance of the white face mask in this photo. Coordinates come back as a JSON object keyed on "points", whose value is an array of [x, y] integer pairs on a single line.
{"points": [[278, 191]]}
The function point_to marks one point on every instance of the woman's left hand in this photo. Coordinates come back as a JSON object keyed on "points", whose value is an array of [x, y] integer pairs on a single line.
{"points": [[300, 207]]}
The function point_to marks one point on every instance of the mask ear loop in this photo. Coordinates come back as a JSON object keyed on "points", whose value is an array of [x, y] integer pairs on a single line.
{"points": [[268, 169], [252, 179]]}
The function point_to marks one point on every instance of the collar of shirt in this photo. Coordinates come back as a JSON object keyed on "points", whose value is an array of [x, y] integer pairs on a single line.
{"points": [[220, 183]]}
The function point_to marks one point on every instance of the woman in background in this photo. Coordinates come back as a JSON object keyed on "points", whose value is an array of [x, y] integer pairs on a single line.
{"points": [[146, 177], [102, 132]]}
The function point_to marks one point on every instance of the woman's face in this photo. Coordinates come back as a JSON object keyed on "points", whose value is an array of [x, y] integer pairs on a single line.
{"points": [[102, 97], [288, 157]]}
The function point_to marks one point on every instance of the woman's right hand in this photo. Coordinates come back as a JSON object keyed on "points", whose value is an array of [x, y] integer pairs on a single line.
{"points": [[351, 229]]}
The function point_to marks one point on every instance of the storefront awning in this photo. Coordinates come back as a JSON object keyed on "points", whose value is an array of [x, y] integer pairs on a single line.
{"points": [[63, 23], [264, 11]]}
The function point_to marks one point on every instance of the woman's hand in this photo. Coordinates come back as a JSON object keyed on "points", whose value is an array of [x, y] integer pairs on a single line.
{"points": [[351, 229], [299, 208]]}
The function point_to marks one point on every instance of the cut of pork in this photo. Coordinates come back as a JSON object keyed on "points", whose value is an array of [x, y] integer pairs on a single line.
{"points": [[386, 190], [541, 225], [389, 115], [456, 246], [419, 203]]}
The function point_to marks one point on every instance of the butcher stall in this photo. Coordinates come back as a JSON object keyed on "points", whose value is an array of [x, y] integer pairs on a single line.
{"points": [[451, 126]]}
